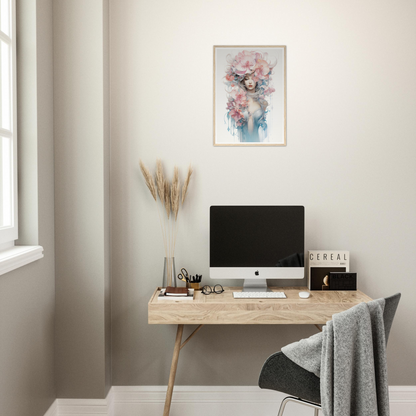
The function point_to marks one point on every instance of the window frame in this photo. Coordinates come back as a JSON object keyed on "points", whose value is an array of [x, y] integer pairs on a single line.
{"points": [[9, 233], [14, 256]]}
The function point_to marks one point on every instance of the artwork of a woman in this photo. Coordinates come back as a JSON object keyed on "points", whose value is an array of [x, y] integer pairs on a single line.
{"points": [[247, 81]]}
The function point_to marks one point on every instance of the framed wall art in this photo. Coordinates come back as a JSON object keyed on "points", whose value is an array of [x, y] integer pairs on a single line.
{"points": [[249, 95]]}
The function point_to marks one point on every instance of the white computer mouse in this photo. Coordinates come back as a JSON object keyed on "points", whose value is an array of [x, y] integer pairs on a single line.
{"points": [[304, 295]]}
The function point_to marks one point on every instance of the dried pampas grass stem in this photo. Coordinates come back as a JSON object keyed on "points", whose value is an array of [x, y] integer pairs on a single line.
{"points": [[175, 194], [170, 198], [186, 184], [160, 180], [167, 197], [148, 179]]}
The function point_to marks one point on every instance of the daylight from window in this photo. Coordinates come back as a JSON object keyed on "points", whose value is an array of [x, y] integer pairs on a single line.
{"points": [[7, 129]]}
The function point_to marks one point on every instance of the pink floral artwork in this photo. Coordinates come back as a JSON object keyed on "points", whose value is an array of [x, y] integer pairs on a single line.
{"points": [[247, 95]]}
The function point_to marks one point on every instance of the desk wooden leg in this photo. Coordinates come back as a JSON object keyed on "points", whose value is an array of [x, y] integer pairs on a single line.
{"points": [[173, 368]]}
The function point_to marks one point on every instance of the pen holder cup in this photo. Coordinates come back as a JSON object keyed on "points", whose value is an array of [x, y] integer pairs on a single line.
{"points": [[195, 286]]}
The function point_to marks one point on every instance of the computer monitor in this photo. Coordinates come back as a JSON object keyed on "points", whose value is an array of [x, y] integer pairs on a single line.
{"points": [[256, 243]]}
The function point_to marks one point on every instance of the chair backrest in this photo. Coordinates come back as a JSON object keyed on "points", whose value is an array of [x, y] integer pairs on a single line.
{"points": [[389, 312]]}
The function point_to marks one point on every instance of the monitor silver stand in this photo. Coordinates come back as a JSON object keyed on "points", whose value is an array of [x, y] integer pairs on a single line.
{"points": [[255, 285]]}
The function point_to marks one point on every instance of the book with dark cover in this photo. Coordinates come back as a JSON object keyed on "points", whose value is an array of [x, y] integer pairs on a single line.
{"points": [[176, 291]]}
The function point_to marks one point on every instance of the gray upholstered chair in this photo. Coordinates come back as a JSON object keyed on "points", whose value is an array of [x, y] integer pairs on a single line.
{"points": [[281, 374]]}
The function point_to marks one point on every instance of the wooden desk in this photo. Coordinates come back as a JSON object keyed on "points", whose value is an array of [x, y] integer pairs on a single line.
{"points": [[223, 309]]}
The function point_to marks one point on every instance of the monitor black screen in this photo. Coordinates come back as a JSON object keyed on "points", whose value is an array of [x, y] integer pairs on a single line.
{"points": [[257, 236]]}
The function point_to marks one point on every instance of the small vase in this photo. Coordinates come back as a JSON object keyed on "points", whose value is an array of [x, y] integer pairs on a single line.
{"points": [[169, 272]]}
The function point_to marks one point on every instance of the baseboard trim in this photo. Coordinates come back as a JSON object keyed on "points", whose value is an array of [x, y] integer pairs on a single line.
{"points": [[402, 394], [190, 394], [203, 400], [90, 407]]}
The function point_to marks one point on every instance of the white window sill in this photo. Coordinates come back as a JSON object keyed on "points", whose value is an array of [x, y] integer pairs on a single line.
{"points": [[18, 256]]}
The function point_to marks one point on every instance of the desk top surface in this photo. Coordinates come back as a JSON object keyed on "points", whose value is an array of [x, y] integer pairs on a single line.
{"points": [[218, 309]]}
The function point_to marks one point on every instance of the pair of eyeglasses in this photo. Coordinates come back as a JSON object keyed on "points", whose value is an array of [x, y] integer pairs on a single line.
{"points": [[207, 290]]}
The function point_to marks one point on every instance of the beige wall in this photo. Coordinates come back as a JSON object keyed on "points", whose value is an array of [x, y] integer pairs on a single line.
{"points": [[60, 349], [349, 160], [27, 295], [82, 198]]}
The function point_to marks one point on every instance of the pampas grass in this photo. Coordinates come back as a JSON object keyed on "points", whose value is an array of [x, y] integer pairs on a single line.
{"points": [[148, 179], [166, 200], [186, 183], [168, 209], [174, 193], [160, 180]]}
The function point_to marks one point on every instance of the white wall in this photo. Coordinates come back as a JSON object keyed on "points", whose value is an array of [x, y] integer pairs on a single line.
{"points": [[349, 160]]}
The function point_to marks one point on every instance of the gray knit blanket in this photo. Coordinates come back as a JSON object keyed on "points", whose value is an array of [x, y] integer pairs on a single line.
{"points": [[349, 356]]}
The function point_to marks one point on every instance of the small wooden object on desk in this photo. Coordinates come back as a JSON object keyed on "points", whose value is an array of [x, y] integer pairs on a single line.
{"points": [[195, 286]]}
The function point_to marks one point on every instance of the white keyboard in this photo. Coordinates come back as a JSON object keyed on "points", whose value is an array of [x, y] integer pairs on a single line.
{"points": [[259, 295]]}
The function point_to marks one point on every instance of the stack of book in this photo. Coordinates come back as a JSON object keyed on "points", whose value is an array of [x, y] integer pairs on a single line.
{"points": [[176, 293]]}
